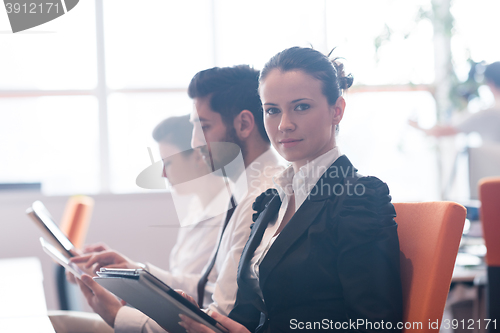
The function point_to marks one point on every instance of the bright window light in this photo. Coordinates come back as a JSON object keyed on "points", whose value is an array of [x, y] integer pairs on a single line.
{"points": [[132, 118], [42, 59], [161, 44], [52, 140], [152, 51]]}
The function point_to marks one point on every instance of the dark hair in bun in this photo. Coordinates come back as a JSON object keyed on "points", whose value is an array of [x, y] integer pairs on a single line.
{"points": [[329, 72]]}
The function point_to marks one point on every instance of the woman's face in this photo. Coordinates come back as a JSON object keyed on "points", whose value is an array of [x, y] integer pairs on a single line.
{"points": [[298, 119]]}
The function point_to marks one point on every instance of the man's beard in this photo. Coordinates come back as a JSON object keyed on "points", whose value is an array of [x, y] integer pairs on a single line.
{"points": [[219, 158], [232, 137]]}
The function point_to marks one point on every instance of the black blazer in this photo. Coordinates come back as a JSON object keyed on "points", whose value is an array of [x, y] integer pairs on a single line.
{"points": [[336, 261]]}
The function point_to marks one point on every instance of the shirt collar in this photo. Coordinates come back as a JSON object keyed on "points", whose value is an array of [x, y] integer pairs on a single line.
{"points": [[302, 182], [249, 180]]}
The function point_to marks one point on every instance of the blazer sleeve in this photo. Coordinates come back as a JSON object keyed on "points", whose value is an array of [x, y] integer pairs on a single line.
{"points": [[368, 258], [244, 311]]}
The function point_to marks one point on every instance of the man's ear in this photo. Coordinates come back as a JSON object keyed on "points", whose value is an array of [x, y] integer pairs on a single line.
{"points": [[244, 123], [338, 110]]}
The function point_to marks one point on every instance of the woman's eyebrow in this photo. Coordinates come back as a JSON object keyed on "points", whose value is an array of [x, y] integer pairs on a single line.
{"points": [[300, 99], [292, 102]]}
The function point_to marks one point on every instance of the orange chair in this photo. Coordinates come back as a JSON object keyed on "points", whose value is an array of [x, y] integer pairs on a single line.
{"points": [[76, 219], [429, 236], [489, 194], [74, 224]]}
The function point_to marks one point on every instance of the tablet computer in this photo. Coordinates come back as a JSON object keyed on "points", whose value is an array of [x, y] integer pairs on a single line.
{"points": [[51, 231], [154, 298], [60, 259]]}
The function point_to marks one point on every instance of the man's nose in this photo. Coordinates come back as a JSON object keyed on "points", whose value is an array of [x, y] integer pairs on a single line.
{"points": [[197, 138], [164, 172]]}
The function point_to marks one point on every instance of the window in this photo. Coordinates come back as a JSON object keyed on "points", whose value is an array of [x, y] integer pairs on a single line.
{"points": [[77, 113], [132, 118], [52, 140], [375, 135]]}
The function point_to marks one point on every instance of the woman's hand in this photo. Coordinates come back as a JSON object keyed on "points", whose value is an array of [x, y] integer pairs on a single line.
{"points": [[98, 247], [414, 123], [108, 258], [104, 303], [192, 326], [186, 296], [90, 248]]}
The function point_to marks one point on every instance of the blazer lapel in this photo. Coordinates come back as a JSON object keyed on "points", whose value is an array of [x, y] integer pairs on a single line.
{"points": [[256, 235], [297, 225], [306, 214], [253, 242]]}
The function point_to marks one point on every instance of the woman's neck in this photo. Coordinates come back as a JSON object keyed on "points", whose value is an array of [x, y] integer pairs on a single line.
{"points": [[299, 164]]}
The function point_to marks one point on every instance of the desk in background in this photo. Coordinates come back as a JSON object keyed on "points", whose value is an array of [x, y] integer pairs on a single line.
{"points": [[466, 299], [22, 299]]}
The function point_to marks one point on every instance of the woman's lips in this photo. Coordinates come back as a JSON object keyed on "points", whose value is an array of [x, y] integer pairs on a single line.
{"points": [[288, 143]]}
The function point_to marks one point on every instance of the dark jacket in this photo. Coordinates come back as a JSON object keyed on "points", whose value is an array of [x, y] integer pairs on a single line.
{"points": [[336, 261]]}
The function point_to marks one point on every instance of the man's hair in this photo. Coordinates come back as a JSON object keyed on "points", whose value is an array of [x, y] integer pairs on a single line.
{"points": [[231, 90], [176, 131]]}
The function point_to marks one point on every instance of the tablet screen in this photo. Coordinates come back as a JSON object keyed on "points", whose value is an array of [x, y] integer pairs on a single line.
{"points": [[42, 215], [63, 261]]}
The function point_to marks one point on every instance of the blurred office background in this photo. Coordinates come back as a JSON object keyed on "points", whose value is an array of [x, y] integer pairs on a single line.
{"points": [[77, 107]]}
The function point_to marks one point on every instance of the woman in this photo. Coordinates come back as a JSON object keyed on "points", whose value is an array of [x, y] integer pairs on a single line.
{"points": [[323, 252]]}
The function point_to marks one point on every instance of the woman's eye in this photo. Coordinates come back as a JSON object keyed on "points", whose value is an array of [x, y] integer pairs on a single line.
{"points": [[272, 111], [302, 107], [204, 127]]}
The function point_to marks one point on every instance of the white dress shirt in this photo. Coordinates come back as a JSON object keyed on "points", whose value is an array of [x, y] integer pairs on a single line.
{"points": [[287, 183], [222, 279], [485, 122], [259, 177]]}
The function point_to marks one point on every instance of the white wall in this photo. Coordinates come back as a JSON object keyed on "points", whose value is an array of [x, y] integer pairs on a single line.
{"points": [[126, 222]]}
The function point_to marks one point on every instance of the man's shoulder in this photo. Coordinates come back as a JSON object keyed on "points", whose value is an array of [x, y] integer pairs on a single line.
{"points": [[483, 115], [256, 185]]}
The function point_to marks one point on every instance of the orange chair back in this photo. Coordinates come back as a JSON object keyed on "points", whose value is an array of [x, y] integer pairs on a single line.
{"points": [[76, 218], [489, 194], [429, 236]]}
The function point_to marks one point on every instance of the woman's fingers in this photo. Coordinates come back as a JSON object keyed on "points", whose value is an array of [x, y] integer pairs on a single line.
{"points": [[70, 277], [119, 265], [192, 326], [80, 259], [100, 247], [103, 259], [87, 292], [231, 325], [97, 260], [186, 296]]}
